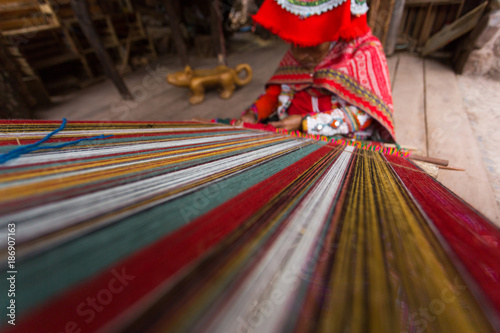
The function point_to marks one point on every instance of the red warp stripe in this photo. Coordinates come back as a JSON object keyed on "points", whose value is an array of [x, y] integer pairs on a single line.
{"points": [[474, 239], [153, 265]]}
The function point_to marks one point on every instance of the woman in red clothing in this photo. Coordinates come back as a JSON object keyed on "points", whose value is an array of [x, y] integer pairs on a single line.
{"points": [[334, 79]]}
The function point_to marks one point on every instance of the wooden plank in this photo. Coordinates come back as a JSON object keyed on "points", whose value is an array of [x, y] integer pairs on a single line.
{"points": [[433, 2], [440, 20], [451, 138], [428, 24], [392, 63], [8, 13], [419, 22], [454, 30], [459, 10], [30, 30], [22, 23], [408, 98], [412, 13], [16, 3], [403, 21]]}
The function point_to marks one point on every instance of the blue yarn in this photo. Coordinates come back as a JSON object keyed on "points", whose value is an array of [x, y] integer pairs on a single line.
{"points": [[35, 146]]}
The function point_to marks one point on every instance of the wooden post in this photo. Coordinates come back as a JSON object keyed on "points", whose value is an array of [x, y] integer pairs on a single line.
{"points": [[392, 34], [176, 32], [218, 32], [430, 17], [81, 10], [372, 14]]}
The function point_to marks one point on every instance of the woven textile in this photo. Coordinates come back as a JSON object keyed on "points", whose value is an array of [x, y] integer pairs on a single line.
{"points": [[355, 71], [183, 226]]}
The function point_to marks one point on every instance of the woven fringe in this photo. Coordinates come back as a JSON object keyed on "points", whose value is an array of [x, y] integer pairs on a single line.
{"points": [[366, 145]]}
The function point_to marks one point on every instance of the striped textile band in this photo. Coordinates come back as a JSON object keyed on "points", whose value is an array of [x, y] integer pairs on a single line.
{"points": [[192, 227]]}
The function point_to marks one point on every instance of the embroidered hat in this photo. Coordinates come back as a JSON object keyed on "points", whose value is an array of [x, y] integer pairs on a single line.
{"points": [[312, 22]]}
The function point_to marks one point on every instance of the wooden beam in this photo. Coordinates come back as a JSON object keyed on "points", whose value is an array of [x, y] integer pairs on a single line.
{"points": [[81, 10], [454, 30], [419, 23], [430, 17], [410, 21]]}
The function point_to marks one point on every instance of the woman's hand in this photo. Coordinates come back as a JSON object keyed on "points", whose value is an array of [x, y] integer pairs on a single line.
{"points": [[291, 123], [247, 117]]}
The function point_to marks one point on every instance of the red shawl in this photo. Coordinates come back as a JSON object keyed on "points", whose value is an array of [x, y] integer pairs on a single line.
{"points": [[356, 71]]}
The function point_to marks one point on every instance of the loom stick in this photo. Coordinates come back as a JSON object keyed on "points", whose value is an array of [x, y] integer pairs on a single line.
{"points": [[449, 167], [432, 160]]}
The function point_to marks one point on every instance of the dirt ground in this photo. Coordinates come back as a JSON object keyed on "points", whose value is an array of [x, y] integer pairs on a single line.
{"points": [[482, 102]]}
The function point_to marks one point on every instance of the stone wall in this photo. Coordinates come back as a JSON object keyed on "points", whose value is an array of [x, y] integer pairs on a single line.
{"points": [[484, 58]]}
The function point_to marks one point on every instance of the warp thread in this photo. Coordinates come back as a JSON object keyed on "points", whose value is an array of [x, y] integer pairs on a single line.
{"points": [[372, 146], [36, 146], [366, 145]]}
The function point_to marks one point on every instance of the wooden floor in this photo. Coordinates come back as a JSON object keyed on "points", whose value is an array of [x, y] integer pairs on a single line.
{"points": [[429, 110], [430, 115]]}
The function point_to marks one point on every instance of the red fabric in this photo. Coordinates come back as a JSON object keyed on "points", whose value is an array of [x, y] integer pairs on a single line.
{"points": [[302, 104], [268, 102], [471, 238], [314, 30], [355, 71]]}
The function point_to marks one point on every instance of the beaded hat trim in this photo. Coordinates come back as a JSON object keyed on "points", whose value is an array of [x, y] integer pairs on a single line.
{"points": [[306, 8]]}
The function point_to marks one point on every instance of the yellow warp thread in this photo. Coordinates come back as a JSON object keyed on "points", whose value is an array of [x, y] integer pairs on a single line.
{"points": [[363, 297]]}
